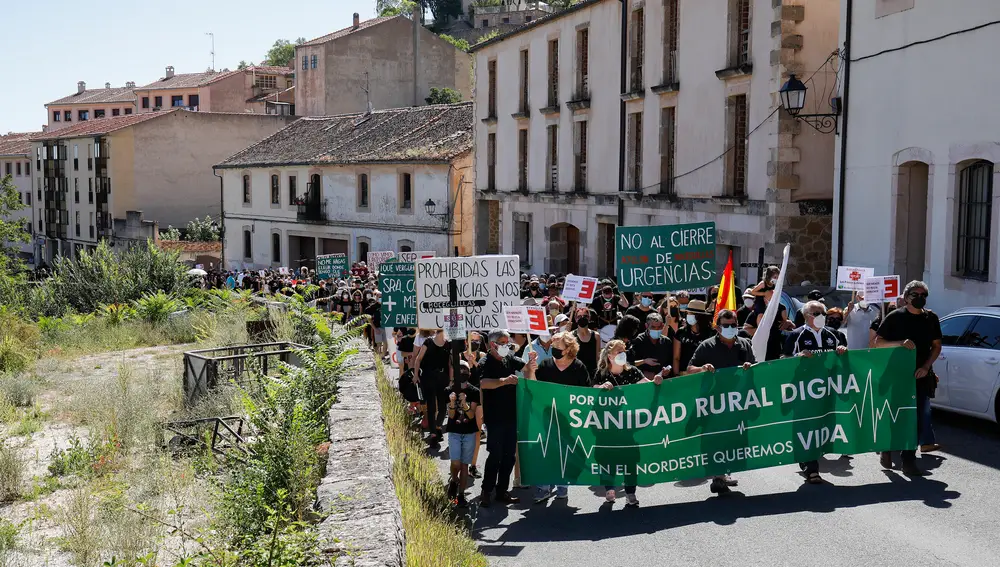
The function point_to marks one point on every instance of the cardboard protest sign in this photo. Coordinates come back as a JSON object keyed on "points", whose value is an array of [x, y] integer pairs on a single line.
{"points": [[580, 289], [414, 256], [399, 298], [882, 288], [787, 411], [375, 259], [853, 279], [331, 266], [528, 320], [665, 258], [479, 286]]}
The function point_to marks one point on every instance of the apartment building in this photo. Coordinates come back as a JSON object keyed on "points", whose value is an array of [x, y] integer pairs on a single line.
{"points": [[90, 104], [568, 146], [387, 62], [15, 149], [393, 180], [117, 178], [506, 13], [255, 89], [916, 184]]}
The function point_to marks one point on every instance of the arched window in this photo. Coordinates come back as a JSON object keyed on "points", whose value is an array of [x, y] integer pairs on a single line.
{"points": [[246, 189], [314, 186], [363, 248], [275, 191], [975, 216], [276, 248], [247, 245]]}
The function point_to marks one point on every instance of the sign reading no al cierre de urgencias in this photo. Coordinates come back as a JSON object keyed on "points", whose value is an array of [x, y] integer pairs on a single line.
{"points": [[665, 258]]}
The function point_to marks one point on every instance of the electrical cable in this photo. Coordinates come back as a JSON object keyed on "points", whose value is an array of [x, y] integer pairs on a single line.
{"points": [[923, 41]]}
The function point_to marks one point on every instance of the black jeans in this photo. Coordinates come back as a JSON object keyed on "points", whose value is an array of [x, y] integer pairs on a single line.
{"points": [[909, 458], [501, 444], [437, 406]]}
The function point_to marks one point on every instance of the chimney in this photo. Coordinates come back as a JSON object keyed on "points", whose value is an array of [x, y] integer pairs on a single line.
{"points": [[357, 20], [130, 84], [80, 87], [107, 85], [170, 71]]}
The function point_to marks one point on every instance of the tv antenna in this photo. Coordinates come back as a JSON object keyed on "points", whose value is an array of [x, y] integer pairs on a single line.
{"points": [[212, 35]]}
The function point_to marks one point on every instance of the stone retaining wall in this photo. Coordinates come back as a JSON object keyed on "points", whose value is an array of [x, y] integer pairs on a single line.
{"points": [[365, 523]]}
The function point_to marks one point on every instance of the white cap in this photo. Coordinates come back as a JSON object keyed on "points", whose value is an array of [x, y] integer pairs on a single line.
{"points": [[561, 318]]}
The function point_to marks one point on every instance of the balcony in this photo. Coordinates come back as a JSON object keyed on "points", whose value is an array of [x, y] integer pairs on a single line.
{"points": [[311, 210]]}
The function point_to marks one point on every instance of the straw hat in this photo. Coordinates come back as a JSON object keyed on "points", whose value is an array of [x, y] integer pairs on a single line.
{"points": [[697, 307]]}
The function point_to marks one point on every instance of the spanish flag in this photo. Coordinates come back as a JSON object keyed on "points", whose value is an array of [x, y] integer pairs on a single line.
{"points": [[727, 289]]}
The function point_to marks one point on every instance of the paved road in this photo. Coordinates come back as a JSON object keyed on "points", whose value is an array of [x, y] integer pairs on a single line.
{"points": [[865, 516]]}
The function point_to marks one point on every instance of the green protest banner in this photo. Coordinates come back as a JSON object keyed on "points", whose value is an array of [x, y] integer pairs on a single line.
{"points": [[781, 412], [331, 266], [665, 258], [399, 297]]}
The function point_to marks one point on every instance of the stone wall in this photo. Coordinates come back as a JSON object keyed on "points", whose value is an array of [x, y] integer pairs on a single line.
{"points": [[364, 526]]}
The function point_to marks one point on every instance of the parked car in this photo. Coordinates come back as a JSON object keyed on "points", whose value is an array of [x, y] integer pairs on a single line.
{"points": [[969, 365]]}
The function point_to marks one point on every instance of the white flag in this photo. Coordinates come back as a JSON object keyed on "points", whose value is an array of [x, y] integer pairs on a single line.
{"points": [[764, 328]]}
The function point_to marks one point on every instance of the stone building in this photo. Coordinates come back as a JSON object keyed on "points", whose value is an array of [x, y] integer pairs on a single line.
{"points": [[396, 180], [386, 62], [15, 149], [568, 146]]}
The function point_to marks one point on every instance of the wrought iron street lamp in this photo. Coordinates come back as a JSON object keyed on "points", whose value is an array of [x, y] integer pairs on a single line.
{"points": [[793, 99]]}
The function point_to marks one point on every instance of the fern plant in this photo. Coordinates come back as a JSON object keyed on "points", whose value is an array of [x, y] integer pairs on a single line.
{"points": [[156, 307]]}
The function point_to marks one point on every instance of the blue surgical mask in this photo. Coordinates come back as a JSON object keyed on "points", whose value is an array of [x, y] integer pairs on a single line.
{"points": [[729, 333], [646, 301], [655, 333]]}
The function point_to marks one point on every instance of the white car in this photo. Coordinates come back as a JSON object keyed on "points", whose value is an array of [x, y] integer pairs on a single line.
{"points": [[969, 365]]}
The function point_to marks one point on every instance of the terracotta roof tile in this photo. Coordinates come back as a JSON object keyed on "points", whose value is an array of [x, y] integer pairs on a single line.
{"points": [[16, 143], [187, 246], [269, 70], [187, 80], [98, 96], [436, 133], [99, 126], [349, 30]]}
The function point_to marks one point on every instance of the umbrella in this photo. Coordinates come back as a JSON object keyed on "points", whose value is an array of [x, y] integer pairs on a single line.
{"points": [[197, 272]]}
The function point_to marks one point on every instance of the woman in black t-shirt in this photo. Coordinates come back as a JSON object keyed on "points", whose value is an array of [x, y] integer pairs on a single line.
{"points": [[614, 371], [696, 329], [432, 366], [590, 341]]}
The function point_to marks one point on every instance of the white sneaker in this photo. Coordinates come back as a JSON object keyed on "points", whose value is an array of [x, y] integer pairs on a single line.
{"points": [[610, 496], [632, 500]]}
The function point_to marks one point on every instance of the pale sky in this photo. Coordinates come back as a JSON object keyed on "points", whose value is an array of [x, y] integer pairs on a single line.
{"points": [[49, 45]]}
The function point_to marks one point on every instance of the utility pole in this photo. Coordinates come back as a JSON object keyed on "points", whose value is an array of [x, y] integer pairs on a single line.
{"points": [[212, 35]]}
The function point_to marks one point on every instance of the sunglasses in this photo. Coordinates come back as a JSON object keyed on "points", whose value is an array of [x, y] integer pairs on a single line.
{"points": [[915, 295], [836, 320], [817, 314], [727, 325]]}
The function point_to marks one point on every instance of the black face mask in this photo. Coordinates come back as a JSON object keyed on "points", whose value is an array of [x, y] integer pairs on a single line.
{"points": [[675, 312], [475, 345], [557, 353], [463, 377], [834, 323], [919, 302], [583, 323]]}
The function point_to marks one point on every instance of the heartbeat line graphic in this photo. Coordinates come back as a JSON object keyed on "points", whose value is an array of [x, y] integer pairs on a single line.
{"points": [[578, 444]]}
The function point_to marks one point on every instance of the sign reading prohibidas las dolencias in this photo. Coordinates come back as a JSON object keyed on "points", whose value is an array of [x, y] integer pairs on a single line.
{"points": [[665, 258]]}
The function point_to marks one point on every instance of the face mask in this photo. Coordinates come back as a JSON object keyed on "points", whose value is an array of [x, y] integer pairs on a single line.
{"points": [[835, 323], [729, 333], [621, 359], [748, 302], [918, 302], [557, 353], [675, 312], [691, 319], [646, 301], [541, 287], [503, 350], [655, 333], [774, 281], [820, 321], [464, 377], [583, 323], [475, 345]]}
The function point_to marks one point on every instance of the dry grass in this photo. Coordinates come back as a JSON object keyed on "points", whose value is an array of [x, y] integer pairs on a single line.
{"points": [[11, 472], [433, 538]]}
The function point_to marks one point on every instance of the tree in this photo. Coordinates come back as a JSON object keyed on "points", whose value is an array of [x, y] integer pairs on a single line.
{"points": [[170, 234], [243, 65], [459, 43], [443, 10], [12, 231], [282, 52], [202, 230], [443, 95], [385, 8]]}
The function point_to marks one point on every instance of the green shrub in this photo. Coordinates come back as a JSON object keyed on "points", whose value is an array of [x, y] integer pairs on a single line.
{"points": [[11, 472], [117, 313], [20, 342], [76, 459], [156, 307], [18, 389], [81, 536]]}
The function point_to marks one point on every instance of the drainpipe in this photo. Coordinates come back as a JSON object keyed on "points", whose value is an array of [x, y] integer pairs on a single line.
{"points": [[841, 190], [621, 115], [222, 221]]}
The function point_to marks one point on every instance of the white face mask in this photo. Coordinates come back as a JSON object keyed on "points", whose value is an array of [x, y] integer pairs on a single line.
{"points": [[503, 350], [691, 319], [820, 321], [862, 305], [621, 359], [729, 333], [748, 302]]}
